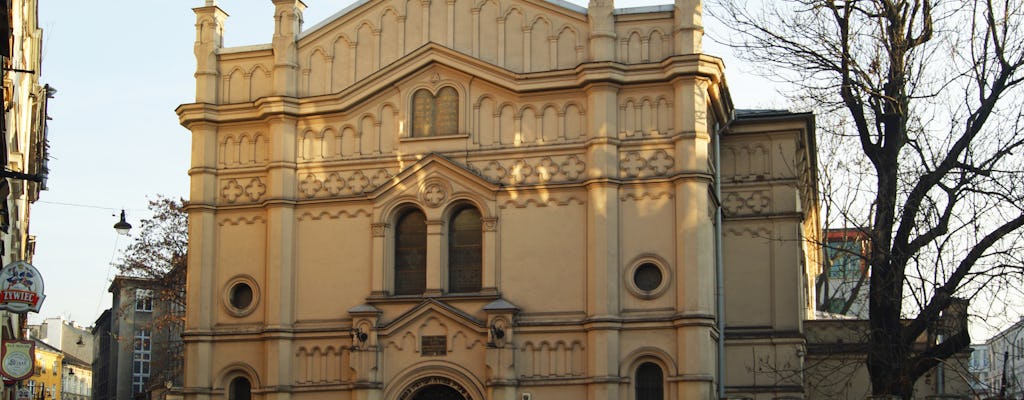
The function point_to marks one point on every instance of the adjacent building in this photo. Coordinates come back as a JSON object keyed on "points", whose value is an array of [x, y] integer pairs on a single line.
{"points": [[509, 199], [65, 336], [76, 381], [1007, 361], [138, 340], [842, 287], [124, 341], [47, 383], [980, 367], [23, 142]]}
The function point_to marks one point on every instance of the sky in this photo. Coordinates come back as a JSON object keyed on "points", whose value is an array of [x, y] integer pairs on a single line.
{"points": [[120, 68]]}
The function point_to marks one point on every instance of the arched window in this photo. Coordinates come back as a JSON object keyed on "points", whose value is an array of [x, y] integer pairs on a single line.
{"points": [[435, 115], [240, 389], [649, 382], [411, 253], [465, 238]]}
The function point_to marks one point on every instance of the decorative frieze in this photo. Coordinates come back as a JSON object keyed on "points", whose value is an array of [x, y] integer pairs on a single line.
{"points": [[242, 190], [342, 183], [532, 171], [645, 164], [551, 359], [743, 203]]}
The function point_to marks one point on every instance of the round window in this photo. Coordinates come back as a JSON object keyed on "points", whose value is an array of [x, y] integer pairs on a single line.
{"points": [[647, 277], [241, 295]]}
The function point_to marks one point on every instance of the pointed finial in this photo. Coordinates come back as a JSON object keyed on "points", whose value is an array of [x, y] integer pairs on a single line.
{"points": [[211, 3]]}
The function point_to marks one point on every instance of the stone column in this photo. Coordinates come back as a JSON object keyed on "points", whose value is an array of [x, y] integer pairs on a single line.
{"points": [[287, 26]]}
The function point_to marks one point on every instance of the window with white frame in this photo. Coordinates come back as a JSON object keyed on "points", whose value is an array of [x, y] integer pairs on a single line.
{"points": [[142, 356], [143, 300]]}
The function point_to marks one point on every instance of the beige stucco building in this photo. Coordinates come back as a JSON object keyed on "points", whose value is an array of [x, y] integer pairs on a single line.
{"points": [[496, 199]]}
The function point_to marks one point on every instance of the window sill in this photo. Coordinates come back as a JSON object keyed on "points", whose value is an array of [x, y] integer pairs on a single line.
{"points": [[430, 138], [485, 294]]}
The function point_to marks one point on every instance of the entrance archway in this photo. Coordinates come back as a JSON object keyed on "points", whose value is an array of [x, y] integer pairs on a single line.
{"points": [[438, 392], [435, 388]]}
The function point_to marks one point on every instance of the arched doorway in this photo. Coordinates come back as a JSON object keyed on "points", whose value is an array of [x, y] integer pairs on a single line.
{"points": [[435, 388], [438, 392]]}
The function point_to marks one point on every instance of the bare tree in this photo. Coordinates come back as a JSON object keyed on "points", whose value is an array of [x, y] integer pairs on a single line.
{"points": [[927, 99]]}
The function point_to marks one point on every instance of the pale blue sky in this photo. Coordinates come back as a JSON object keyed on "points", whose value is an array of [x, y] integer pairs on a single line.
{"points": [[121, 68]]}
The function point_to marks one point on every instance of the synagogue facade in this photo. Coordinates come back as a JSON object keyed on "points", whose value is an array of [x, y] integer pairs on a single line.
{"points": [[490, 199]]}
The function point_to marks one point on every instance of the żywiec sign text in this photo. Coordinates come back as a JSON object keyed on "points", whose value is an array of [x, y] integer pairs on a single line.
{"points": [[21, 288]]}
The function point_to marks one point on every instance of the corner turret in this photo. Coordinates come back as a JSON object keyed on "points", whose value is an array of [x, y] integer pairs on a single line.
{"points": [[688, 28], [287, 26], [209, 38]]}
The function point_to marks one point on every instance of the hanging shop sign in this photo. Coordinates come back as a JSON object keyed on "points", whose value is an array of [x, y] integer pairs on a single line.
{"points": [[21, 288], [18, 359]]}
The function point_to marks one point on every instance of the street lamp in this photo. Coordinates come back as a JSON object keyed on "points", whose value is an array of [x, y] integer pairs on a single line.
{"points": [[122, 227]]}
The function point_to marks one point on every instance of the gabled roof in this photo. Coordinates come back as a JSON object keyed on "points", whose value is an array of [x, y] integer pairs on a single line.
{"points": [[360, 3]]}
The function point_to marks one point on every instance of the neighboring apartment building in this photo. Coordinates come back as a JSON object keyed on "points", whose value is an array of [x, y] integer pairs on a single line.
{"points": [[47, 382], [490, 199], [1007, 360], [104, 348], [75, 345], [980, 367], [842, 287], [138, 341], [76, 381], [124, 354], [23, 143], [66, 336]]}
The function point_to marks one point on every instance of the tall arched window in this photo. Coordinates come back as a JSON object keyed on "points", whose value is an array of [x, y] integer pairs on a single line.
{"points": [[240, 389], [649, 382], [465, 238], [435, 115], [411, 252]]}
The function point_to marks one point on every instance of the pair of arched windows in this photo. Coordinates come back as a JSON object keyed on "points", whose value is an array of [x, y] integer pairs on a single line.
{"points": [[464, 247]]}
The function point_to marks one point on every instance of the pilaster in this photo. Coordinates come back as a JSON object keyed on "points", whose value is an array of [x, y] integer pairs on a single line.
{"points": [[209, 38], [501, 379], [280, 252], [287, 26], [366, 353], [435, 232], [602, 30], [688, 28]]}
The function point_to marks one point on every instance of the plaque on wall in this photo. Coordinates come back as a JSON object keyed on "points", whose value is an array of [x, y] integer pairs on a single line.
{"points": [[433, 345]]}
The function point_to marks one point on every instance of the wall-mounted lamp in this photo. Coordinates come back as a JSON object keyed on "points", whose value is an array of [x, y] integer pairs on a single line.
{"points": [[496, 332], [359, 335], [122, 227], [71, 372], [80, 342]]}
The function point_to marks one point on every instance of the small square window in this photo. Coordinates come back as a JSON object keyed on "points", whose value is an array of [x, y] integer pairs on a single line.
{"points": [[143, 300]]}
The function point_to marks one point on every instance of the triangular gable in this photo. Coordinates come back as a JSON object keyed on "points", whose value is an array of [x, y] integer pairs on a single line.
{"points": [[352, 9], [428, 308], [435, 167], [417, 63]]}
